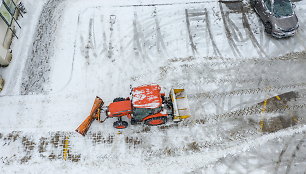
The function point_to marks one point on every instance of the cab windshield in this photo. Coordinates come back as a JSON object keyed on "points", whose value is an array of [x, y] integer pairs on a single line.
{"points": [[282, 8], [140, 113]]}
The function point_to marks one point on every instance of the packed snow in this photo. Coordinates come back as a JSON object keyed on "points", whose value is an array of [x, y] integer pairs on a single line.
{"points": [[70, 51]]}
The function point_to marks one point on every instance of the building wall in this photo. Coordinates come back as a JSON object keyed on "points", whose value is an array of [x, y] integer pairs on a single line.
{"points": [[1, 83], [3, 29]]}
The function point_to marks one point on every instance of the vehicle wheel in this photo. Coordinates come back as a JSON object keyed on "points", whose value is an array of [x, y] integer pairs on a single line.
{"points": [[118, 99], [156, 121], [133, 121], [252, 3], [268, 27], [120, 124]]}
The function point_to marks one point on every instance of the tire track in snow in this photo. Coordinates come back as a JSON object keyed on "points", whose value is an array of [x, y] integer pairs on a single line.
{"points": [[190, 64], [192, 45], [86, 47], [110, 52], [235, 30], [225, 141], [55, 140], [231, 138], [293, 156], [264, 156], [91, 45], [254, 91], [139, 48], [265, 39], [104, 49], [251, 111], [245, 109], [93, 38], [212, 119], [197, 160], [231, 42], [237, 35], [280, 157], [161, 47], [293, 56], [301, 38], [250, 33], [197, 29], [223, 81], [234, 63], [201, 29], [50, 146], [262, 34], [73, 56], [141, 40], [216, 50], [168, 4]]}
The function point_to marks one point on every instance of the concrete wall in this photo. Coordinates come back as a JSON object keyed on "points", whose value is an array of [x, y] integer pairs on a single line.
{"points": [[5, 56], [1, 83], [3, 29]]}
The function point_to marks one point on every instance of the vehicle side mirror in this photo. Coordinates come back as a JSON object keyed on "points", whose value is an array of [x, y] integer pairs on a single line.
{"points": [[293, 6]]}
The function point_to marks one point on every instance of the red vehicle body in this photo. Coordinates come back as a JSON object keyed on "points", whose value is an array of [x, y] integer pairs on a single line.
{"points": [[147, 104]]}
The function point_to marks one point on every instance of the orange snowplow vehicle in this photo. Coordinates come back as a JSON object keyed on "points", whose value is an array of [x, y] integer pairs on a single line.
{"points": [[147, 104]]}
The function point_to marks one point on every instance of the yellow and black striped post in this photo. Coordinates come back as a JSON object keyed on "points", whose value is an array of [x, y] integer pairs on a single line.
{"points": [[66, 148], [263, 110]]}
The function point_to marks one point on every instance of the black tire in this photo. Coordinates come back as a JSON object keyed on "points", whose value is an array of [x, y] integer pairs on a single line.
{"points": [[118, 99], [252, 3], [120, 124], [155, 121], [133, 121], [268, 27]]}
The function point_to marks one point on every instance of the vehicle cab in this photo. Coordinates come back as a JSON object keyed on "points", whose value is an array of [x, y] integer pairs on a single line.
{"points": [[146, 100]]}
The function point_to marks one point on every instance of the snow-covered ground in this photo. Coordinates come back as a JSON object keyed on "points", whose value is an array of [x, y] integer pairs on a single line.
{"points": [[70, 51]]}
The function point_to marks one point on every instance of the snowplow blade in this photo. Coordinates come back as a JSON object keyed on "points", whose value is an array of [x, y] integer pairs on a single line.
{"points": [[181, 108], [94, 114], [83, 128]]}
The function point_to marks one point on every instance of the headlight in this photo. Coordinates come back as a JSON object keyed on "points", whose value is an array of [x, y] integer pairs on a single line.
{"points": [[277, 27]]}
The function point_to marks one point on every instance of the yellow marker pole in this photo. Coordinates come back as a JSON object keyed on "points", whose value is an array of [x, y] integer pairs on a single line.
{"points": [[119, 132], [294, 119], [263, 109], [65, 149], [261, 124], [181, 117], [183, 109]]}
